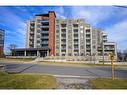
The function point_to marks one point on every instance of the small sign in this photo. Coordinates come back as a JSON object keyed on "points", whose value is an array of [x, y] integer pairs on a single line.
{"points": [[111, 56]]}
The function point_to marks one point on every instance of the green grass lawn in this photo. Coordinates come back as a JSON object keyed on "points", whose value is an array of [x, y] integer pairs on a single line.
{"points": [[107, 83], [26, 81]]}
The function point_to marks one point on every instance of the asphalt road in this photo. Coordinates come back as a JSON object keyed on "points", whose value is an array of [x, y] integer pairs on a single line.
{"points": [[64, 70]]}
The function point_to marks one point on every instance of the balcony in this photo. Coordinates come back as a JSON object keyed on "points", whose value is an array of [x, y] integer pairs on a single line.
{"points": [[44, 21], [75, 30], [63, 37], [63, 48], [63, 26], [44, 37], [109, 49], [31, 32], [63, 42], [31, 27], [44, 26], [63, 30], [88, 38], [87, 43], [44, 42], [76, 48], [87, 33], [44, 32], [31, 37], [88, 49], [75, 38]]}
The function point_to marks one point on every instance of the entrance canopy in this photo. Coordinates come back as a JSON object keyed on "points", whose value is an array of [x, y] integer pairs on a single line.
{"points": [[40, 52]]}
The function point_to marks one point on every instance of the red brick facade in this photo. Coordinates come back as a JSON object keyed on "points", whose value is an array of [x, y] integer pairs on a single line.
{"points": [[51, 44], [1, 51], [51, 17]]}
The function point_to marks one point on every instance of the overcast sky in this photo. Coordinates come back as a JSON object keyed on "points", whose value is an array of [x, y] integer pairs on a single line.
{"points": [[112, 19]]}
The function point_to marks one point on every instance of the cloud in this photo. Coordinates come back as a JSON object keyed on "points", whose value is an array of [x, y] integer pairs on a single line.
{"points": [[10, 19], [117, 33], [92, 15], [60, 12]]}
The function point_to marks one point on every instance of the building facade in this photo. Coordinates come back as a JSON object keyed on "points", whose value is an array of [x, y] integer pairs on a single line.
{"points": [[40, 32], [49, 36], [74, 37], [1, 43]]}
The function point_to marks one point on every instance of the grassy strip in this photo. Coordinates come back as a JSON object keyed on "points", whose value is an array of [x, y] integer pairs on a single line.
{"points": [[26, 81], [17, 59], [80, 64], [107, 83]]}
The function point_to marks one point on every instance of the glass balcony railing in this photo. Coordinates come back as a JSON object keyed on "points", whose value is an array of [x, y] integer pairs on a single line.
{"points": [[45, 37], [44, 26], [44, 21], [44, 32]]}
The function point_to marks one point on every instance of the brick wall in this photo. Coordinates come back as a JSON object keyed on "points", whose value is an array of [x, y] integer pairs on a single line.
{"points": [[52, 33], [1, 51]]}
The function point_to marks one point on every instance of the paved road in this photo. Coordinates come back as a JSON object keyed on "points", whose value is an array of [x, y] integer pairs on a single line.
{"points": [[64, 70]]}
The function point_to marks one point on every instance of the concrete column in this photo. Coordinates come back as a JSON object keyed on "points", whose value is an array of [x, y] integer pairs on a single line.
{"points": [[38, 53], [47, 52], [25, 53]]}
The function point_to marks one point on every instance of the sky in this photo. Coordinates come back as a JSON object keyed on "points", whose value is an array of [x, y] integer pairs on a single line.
{"points": [[111, 19]]}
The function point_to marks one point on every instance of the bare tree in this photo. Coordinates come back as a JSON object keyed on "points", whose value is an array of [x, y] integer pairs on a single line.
{"points": [[10, 47]]}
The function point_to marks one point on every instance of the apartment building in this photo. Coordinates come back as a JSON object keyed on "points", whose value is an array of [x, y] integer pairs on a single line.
{"points": [[1, 42], [40, 36], [50, 36], [74, 37]]}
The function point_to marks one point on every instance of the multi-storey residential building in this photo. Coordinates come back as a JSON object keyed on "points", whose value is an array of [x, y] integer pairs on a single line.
{"points": [[1, 42], [74, 37], [50, 36], [40, 36]]}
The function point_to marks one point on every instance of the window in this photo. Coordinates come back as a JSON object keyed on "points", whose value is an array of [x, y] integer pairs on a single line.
{"points": [[75, 35], [70, 54], [57, 54], [38, 36], [82, 47], [75, 25], [57, 36], [63, 30], [63, 35], [82, 54], [87, 30], [57, 31], [38, 31], [63, 54], [88, 36], [38, 26], [57, 47], [94, 47], [57, 26], [63, 25], [57, 21], [75, 30], [38, 41]]}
